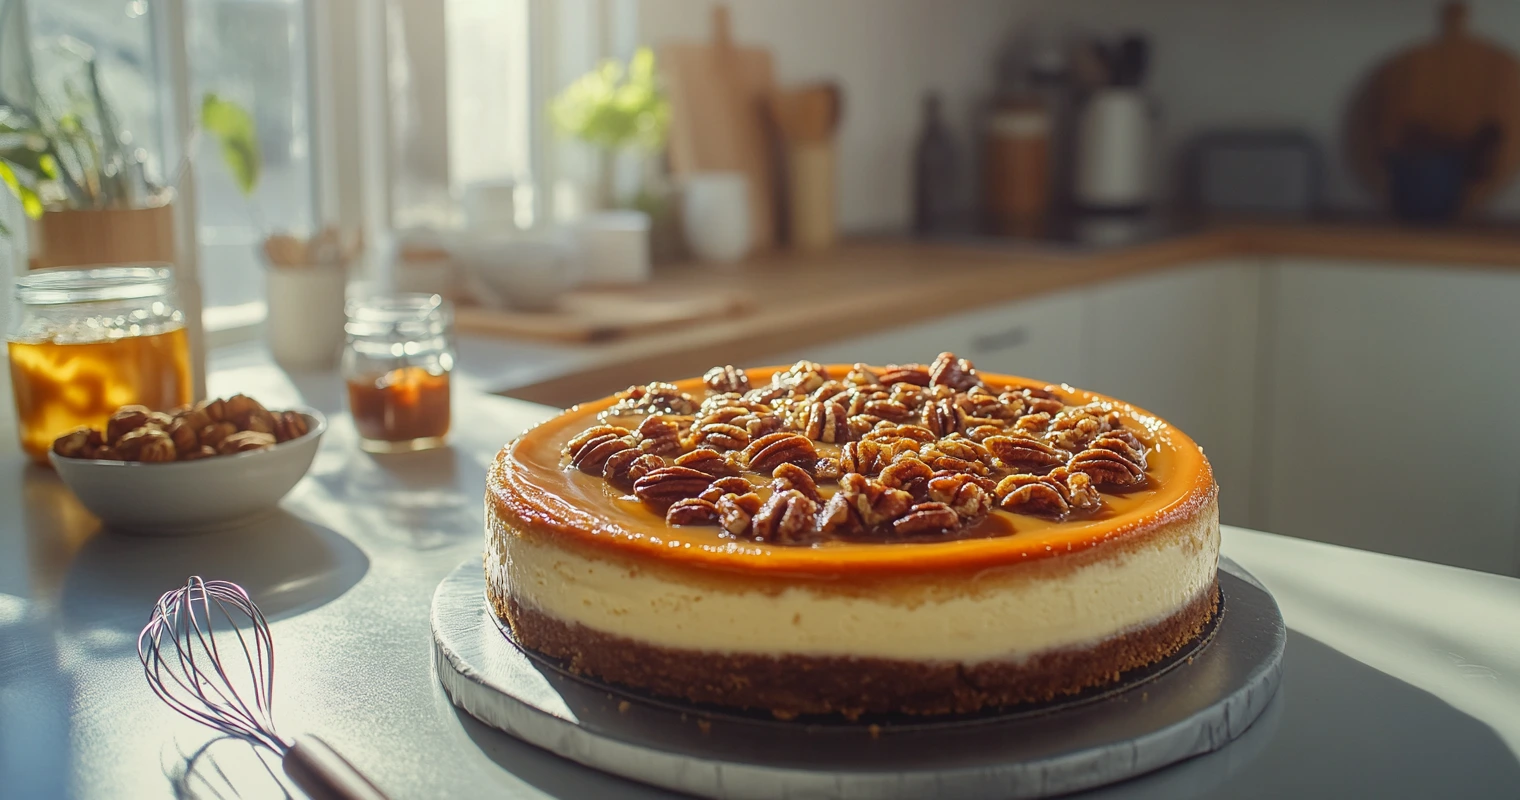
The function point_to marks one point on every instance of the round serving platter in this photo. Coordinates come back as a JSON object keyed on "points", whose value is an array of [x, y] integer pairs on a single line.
{"points": [[1193, 703]]}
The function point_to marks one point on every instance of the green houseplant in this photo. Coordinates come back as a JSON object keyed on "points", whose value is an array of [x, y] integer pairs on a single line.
{"points": [[614, 108]]}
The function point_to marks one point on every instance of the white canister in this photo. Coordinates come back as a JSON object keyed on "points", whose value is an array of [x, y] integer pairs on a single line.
{"points": [[614, 246], [305, 321], [715, 216], [491, 205], [1114, 151]]}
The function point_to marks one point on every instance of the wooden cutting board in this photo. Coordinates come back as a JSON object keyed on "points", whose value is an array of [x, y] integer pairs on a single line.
{"points": [[1450, 87], [599, 315], [719, 93]]}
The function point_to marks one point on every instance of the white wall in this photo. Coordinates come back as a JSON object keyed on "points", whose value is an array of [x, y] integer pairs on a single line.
{"points": [[1278, 62], [886, 54]]}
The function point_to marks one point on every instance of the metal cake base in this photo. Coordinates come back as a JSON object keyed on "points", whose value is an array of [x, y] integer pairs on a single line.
{"points": [[1192, 704]]}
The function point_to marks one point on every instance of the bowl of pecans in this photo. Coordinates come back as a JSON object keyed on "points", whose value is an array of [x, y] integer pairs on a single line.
{"points": [[216, 464]]}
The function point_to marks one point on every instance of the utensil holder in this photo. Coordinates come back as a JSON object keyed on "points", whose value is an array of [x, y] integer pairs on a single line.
{"points": [[813, 178], [305, 321]]}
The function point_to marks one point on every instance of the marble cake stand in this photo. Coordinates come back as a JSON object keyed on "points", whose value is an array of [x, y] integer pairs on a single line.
{"points": [[1194, 703]]}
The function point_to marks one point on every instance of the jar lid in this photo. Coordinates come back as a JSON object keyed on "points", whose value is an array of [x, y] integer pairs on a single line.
{"points": [[399, 316], [60, 285]]}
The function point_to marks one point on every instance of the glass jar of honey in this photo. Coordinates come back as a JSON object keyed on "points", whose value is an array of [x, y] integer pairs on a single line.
{"points": [[400, 350], [85, 342]]}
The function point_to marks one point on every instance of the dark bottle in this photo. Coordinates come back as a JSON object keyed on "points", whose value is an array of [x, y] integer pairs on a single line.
{"points": [[934, 164]]}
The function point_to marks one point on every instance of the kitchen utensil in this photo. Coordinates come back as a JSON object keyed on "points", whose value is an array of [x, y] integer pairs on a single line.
{"points": [[598, 315], [615, 246], [1016, 177], [184, 497], [718, 117], [1114, 152], [190, 662], [1451, 87], [526, 270], [716, 217], [1254, 173], [808, 118], [935, 165]]}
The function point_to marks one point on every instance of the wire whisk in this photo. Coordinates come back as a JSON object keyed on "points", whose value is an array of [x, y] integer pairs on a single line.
{"points": [[194, 664]]}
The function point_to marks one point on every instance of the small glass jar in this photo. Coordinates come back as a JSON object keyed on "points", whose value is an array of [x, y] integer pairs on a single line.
{"points": [[86, 341], [399, 352]]}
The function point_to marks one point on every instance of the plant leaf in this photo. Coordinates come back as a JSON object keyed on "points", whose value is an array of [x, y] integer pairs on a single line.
{"points": [[30, 202], [234, 128]]}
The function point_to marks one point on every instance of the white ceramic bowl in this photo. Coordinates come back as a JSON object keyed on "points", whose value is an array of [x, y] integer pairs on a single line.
{"points": [[526, 270], [184, 497]]}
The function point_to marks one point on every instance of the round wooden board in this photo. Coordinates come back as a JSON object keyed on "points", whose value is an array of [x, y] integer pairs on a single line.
{"points": [[1449, 86]]}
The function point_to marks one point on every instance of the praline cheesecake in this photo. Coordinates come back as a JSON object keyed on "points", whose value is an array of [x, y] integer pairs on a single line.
{"points": [[854, 539]]}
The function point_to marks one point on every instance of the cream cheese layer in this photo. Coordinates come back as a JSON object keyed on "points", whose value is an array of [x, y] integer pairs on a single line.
{"points": [[1003, 614]]}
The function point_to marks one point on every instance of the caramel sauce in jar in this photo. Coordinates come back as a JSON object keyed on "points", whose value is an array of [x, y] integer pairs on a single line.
{"points": [[396, 363], [403, 409]]}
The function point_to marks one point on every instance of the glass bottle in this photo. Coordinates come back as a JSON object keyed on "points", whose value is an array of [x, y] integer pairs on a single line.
{"points": [[85, 342], [397, 360]]}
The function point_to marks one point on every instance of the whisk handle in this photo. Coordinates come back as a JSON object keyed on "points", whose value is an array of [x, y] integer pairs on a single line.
{"points": [[324, 774]]}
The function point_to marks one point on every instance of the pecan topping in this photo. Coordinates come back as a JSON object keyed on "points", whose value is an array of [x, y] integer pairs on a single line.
{"points": [[1023, 452], [967, 498], [770, 451], [839, 517], [591, 457], [864, 457], [78, 443], [790, 477], [908, 474], [287, 425], [826, 422], [692, 511], [666, 485], [656, 397], [802, 377], [736, 511], [916, 374], [708, 460], [926, 518], [1032, 494], [240, 442], [728, 485], [574, 446], [956, 373], [786, 518], [873, 501], [1107, 467], [915, 450], [727, 378], [660, 435], [721, 434]]}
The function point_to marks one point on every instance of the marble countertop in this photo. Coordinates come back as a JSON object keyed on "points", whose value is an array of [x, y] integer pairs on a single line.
{"points": [[1402, 679]]}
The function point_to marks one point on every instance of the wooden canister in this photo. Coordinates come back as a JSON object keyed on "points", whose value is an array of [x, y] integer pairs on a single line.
{"points": [[95, 236], [813, 196], [1017, 181]]}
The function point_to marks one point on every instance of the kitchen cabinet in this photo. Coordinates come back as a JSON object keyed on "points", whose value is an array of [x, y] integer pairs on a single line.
{"points": [[1390, 410], [1041, 338], [1182, 344]]}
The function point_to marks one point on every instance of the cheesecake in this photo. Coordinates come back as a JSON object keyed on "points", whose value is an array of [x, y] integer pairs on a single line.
{"points": [[854, 539]]}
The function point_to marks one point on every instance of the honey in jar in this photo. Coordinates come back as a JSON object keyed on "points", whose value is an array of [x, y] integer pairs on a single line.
{"points": [[88, 341], [396, 363]]}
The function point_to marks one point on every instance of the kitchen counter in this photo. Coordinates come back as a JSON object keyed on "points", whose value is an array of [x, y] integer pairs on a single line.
{"points": [[1401, 679], [875, 284]]}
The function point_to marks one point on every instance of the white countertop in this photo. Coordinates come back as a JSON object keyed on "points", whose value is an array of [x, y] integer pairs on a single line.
{"points": [[1402, 679]]}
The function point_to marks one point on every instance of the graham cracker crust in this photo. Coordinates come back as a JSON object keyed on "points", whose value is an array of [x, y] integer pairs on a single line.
{"points": [[791, 685]]}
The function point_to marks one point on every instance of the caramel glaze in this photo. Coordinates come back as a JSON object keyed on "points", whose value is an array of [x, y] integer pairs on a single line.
{"points": [[533, 493]]}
